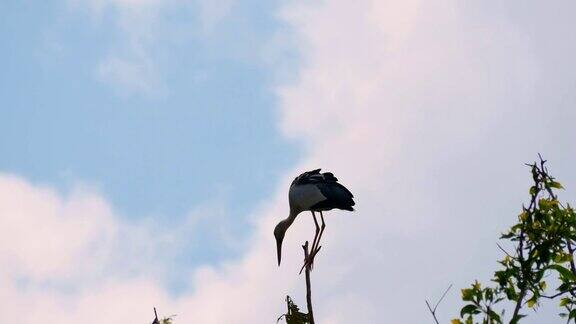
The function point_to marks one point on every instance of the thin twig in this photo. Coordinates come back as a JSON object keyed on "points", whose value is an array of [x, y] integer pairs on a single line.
{"points": [[433, 310], [156, 321], [501, 248], [555, 295]]}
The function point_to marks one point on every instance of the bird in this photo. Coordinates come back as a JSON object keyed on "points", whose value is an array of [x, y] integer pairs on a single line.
{"points": [[315, 192]]}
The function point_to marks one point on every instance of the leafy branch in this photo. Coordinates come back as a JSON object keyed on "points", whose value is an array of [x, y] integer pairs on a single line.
{"points": [[543, 240], [165, 320], [294, 315]]}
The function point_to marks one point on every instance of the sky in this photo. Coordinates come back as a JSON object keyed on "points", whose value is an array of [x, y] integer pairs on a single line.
{"points": [[146, 148]]}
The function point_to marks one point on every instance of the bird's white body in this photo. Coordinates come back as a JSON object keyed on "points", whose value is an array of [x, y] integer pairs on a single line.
{"points": [[303, 197]]}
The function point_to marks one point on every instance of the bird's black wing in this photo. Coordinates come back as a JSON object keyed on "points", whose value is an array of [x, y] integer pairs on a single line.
{"points": [[337, 196], [308, 177]]}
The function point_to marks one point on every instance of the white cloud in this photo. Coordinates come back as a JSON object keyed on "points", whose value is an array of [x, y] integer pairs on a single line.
{"points": [[44, 236], [69, 258], [425, 110]]}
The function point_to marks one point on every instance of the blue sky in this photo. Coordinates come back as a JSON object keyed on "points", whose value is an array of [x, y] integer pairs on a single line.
{"points": [[210, 131]]}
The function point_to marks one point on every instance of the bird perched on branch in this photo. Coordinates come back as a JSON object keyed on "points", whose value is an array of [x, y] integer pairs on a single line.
{"points": [[316, 192]]}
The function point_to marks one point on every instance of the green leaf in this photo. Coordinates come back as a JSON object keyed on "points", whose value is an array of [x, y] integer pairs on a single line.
{"points": [[468, 309], [523, 216], [565, 274], [554, 184], [494, 316], [542, 285], [488, 294], [544, 203], [467, 294], [511, 293], [562, 257], [476, 285]]}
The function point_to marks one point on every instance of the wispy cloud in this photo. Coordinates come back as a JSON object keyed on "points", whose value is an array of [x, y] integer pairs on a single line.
{"points": [[131, 66], [211, 13], [136, 74]]}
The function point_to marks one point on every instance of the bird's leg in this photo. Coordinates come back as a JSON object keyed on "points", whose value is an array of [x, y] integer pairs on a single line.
{"points": [[316, 244], [316, 237], [308, 260], [317, 248]]}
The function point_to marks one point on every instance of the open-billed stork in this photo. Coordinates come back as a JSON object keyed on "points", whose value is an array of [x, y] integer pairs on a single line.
{"points": [[316, 192]]}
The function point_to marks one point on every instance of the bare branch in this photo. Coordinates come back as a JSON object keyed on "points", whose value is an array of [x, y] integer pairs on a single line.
{"points": [[433, 310], [308, 286], [501, 248]]}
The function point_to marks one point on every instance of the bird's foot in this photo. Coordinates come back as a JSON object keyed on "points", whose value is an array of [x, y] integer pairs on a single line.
{"points": [[309, 262]]}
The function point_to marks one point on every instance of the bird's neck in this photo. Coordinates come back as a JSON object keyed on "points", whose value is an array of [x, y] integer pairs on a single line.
{"points": [[291, 217]]}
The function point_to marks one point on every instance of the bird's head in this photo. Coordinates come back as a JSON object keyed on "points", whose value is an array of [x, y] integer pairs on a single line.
{"points": [[279, 232]]}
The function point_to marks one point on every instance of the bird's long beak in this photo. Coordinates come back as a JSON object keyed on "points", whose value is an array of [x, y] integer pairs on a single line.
{"points": [[279, 249]]}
